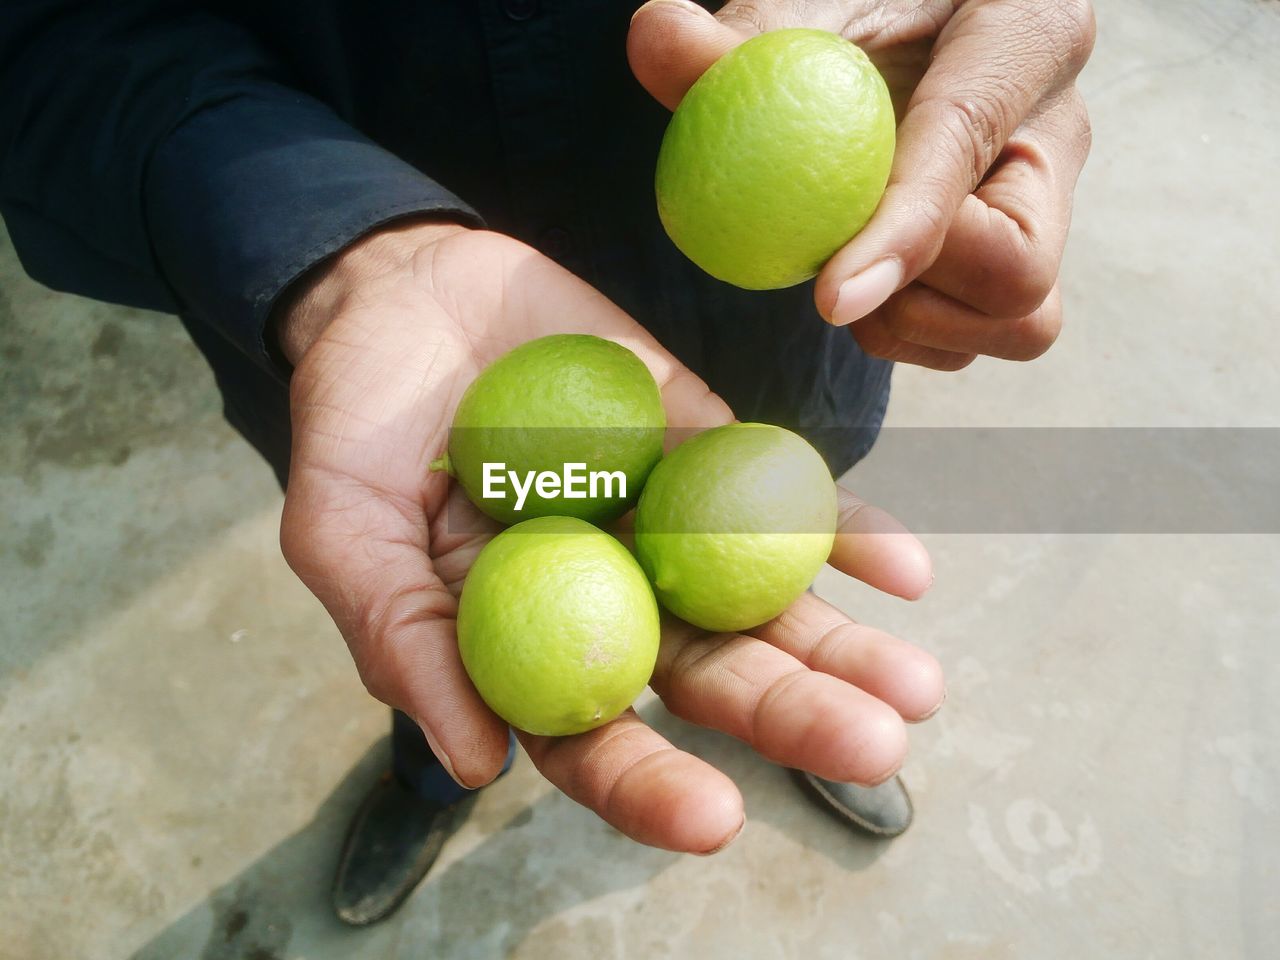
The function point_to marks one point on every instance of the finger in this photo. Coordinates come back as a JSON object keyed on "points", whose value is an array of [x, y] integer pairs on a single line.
{"points": [[873, 547], [671, 43], [876, 340], [1003, 249], [824, 639], [923, 318], [748, 689], [994, 62], [366, 560], [639, 783]]}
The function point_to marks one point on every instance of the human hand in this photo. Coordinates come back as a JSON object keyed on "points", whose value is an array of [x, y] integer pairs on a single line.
{"points": [[385, 340], [962, 256]]}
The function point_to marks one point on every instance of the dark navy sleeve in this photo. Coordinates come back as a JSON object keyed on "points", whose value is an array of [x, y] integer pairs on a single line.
{"points": [[154, 155]]}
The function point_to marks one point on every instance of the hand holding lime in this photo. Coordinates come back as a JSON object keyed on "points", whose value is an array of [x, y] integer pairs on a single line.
{"points": [[776, 158]]}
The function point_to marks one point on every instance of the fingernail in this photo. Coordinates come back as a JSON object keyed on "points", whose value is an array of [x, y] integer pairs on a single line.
{"points": [[654, 3], [442, 757], [938, 706], [884, 779], [865, 291], [927, 588], [726, 841]]}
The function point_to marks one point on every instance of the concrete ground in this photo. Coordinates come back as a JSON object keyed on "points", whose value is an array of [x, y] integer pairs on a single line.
{"points": [[184, 738]]}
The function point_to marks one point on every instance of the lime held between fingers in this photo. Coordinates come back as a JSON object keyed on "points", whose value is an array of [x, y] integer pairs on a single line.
{"points": [[776, 157]]}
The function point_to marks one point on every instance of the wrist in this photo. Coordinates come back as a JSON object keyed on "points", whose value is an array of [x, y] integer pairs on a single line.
{"points": [[311, 301]]}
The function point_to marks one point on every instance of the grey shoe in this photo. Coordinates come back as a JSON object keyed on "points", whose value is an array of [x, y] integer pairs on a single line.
{"points": [[884, 811], [393, 840]]}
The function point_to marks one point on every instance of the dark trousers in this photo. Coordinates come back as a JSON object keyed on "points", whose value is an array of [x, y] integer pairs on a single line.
{"points": [[417, 768]]}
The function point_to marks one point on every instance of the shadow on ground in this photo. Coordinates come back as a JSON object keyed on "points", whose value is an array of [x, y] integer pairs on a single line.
{"points": [[531, 862]]}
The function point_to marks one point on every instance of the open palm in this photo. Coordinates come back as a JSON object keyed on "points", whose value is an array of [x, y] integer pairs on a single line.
{"points": [[385, 544]]}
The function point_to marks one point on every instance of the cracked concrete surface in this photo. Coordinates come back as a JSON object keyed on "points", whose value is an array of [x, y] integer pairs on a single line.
{"points": [[184, 737]]}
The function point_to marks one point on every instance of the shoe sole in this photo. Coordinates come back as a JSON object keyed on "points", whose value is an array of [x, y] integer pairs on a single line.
{"points": [[354, 915], [832, 803]]}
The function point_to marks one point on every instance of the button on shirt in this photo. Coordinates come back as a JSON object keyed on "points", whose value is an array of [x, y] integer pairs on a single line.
{"points": [[198, 158]]}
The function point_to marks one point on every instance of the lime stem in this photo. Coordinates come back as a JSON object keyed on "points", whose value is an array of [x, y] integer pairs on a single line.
{"points": [[442, 464]]}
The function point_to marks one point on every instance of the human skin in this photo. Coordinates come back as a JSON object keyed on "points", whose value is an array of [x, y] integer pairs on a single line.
{"points": [[962, 256], [384, 339]]}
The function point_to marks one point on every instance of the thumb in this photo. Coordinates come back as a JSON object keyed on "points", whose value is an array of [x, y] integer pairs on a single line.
{"points": [[672, 42], [984, 79], [367, 563]]}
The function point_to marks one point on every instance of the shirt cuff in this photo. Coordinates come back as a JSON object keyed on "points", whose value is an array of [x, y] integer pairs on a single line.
{"points": [[249, 193]]}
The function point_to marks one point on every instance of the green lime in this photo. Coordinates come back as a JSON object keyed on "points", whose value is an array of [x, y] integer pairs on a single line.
{"points": [[557, 626], [734, 525], [566, 425], [776, 157]]}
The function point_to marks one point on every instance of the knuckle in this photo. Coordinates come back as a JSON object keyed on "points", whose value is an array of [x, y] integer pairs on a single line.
{"points": [[970, 132], [747, 14], [1081, 29], [977, 120], [832, 647], [703, 654], [1067, 29], [771, 703], [613, 751], [1031, 336], [1013, 271], [934, 220], [1024, 288], [849, 505], [1080, 122], [975, 125]]}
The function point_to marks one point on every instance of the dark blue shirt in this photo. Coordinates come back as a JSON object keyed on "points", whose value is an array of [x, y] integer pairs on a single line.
{"points": [[198, 158]]}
